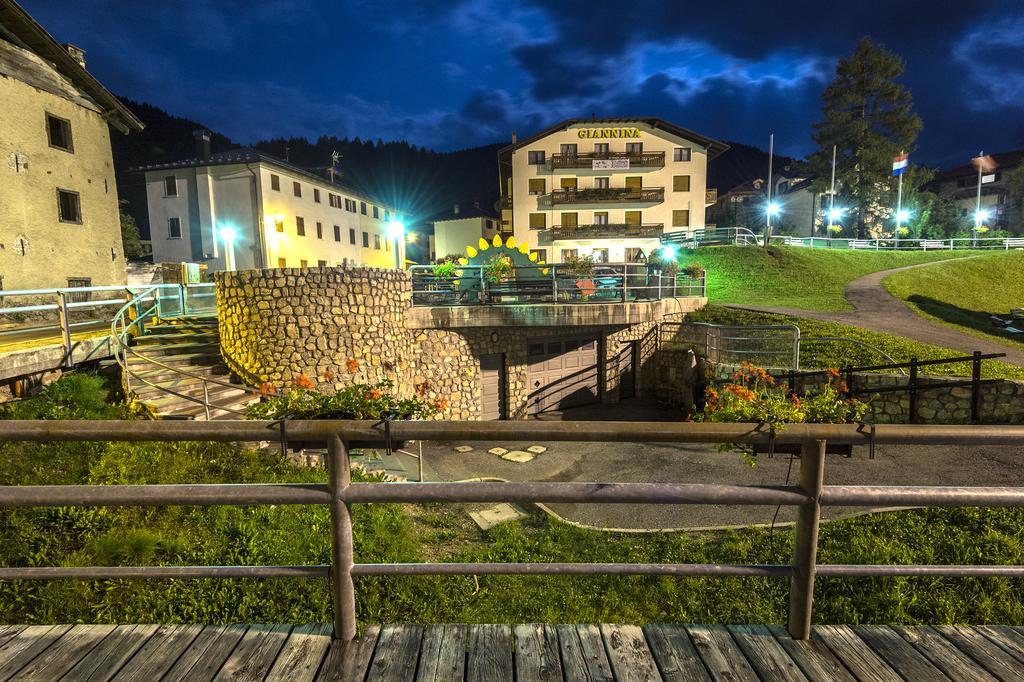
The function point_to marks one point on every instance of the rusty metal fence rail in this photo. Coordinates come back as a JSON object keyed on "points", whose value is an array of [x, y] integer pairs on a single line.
{"points": [[339, 494]]}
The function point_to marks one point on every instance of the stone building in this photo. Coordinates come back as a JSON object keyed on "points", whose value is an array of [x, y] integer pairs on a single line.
{"points": [[486, 361], [59, 218]]}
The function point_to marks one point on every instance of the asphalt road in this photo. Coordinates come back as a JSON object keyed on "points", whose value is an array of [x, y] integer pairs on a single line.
{"points": [[701, 463]]}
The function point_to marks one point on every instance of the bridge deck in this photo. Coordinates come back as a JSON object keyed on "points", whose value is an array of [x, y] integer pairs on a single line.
{"points": [[502, 652]]}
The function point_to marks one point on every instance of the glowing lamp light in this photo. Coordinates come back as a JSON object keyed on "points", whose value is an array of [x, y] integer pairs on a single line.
{"points": [[773, 209], [412, 237], [903, 215], [982, 215], [835, 214], [668, 252], [396, 228], [228, 234]]}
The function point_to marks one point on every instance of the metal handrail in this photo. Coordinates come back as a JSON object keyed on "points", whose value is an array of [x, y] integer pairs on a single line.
{"points": [[122, 348], [892, 244], [809, 495]]}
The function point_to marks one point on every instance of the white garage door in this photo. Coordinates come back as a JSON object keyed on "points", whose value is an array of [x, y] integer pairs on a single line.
{"points": [[563, 373]]}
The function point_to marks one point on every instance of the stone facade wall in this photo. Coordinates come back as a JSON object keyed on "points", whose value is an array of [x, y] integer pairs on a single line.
{"points": [[278, 324]]}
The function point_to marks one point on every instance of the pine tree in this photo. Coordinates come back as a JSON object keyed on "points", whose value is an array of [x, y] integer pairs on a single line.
{"points": [[870, 119]]}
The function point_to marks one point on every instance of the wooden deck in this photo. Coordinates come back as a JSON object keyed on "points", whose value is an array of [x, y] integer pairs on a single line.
{"points": [[492, 653]]}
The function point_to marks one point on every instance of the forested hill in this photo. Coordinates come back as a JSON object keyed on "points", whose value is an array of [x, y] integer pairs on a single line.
{"points": [[419, 182]]}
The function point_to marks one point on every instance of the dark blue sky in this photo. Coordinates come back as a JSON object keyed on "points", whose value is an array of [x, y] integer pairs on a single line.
{"points": [[450, 74]]}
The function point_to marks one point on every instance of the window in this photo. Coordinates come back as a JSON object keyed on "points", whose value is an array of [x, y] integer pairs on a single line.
{"points": [[366, 240], [634, 254], [601, 149], [300, 226], [351, 235], [79, 296], [538, 221], [570, 219], [337, 233], [387, 245], [535, 158], [319, 230], [634, 182], [634, 217], [681, 183], [69, 208], [569, 253], [537, 185], [279, 223], [387, 216], [58, 130], [599, 255], [681, 217], [174, 228], [297, 188], [321, 264], [634, 147], [682, 154], [170, 186], [362, 207], [376, 213], [541, 255], [568, 183], [334, 200], [376, 242], [282, 262], [275, 184], [316, 195], [303, 263], [568, 150], [600, 217], [601, 183], [350, 205]]}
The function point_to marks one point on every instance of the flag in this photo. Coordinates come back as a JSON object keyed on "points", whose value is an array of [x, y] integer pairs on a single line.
{"points": [[899, 164], [986, 164]]}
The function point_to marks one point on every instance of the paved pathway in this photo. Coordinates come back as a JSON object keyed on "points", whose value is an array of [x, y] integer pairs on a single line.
{"points": [[876, 309]]}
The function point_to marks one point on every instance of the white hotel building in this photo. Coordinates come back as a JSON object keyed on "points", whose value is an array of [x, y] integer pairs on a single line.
{"points": [[280, 215], [608, 188]]}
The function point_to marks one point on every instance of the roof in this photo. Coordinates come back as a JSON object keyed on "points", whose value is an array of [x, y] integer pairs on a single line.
{"points": [[21, 29], [1003, 160], [253, 155], [714, 146], [470, 211]]}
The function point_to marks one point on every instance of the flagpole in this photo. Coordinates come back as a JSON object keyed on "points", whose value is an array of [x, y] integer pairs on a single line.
{"points": [[899, 209], [977, 203], [832, 190]]}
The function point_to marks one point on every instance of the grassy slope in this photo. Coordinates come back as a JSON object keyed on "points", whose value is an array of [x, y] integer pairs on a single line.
{"points": [[795, 277], [300, 535], [963, 295], [839, 354]]}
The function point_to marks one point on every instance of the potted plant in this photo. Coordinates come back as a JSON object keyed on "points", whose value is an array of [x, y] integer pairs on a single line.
{"points": [[499, 269], [357, 401], [755, 396]]}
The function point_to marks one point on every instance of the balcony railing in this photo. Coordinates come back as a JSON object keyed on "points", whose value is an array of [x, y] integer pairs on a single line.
{"points": [[592, 195], [618, 160], [606, 231]]}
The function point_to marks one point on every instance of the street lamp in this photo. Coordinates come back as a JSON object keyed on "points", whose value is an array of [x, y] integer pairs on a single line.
{"points": [[773, 209], [227, 233], [396, 231], [834, 214]]}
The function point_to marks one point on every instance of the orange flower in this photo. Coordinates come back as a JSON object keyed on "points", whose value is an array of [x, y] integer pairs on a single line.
{"points": [[832, 372], [352, 366], [441, 404], [302, 381], [373, 394], [268, 389]]}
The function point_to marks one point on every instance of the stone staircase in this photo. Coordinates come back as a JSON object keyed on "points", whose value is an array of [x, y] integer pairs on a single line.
{"points": [[191, 345]]}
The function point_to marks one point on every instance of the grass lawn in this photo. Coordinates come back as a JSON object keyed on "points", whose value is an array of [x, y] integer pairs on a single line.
{"points": [[840, 354], [301, 535], [963, 295], [796, 277]]}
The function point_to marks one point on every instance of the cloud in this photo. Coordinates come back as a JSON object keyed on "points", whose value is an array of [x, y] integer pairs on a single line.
{"points": [[993, 54]]}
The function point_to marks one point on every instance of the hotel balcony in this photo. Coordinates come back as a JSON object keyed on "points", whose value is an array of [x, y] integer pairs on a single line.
{"points": [[609, 195], [604, 231], [616, 160]]}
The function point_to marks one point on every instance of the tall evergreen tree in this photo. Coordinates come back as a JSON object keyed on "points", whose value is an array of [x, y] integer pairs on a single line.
{"points": [[870, 119]]}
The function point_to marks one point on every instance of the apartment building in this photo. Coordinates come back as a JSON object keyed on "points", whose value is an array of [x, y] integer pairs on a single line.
{"points": [[1001, 208], [272, 214], [59, 217], [462, 226], [608, 188]]}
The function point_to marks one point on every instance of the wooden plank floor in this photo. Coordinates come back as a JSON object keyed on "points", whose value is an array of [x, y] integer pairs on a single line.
{"points": [[520, 653]]}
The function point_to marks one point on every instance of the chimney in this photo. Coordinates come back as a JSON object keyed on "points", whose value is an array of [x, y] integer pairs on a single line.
{"points": [[76, 52], [513, 137], [202, 144], [455, 209]]}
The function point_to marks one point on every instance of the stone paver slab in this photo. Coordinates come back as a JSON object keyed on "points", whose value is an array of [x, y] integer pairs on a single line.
{"points": [[537, 449], [463, 448], [518, 456], [498, 451], [488, 518]]}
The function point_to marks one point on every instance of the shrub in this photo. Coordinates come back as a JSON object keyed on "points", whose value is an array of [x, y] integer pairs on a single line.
{"points": [[581, 266], [358, 401], [446, 269], [694, 270], [499, 269]]}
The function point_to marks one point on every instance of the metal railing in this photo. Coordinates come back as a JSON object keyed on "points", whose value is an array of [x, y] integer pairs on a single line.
{"points": [[591, 195], [587, 159], [771, 346], [890, 244], [339, 493], [157, 302], [603, 230], [719, 236], [552, 283]]}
